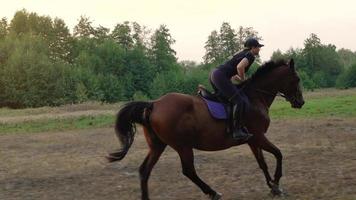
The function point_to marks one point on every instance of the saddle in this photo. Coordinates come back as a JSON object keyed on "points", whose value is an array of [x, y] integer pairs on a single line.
{"points": [[216, 103]]}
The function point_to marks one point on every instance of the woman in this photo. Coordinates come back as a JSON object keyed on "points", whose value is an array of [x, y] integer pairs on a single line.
{"points": [[235, 69]]}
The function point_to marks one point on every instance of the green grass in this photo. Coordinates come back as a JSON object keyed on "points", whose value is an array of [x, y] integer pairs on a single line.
{"points": [[82, 122], [319, 104], [335, 106], [7, 112]]}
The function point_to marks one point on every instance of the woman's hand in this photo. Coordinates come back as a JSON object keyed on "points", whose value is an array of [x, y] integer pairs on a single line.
{"points": [[236, 78]]}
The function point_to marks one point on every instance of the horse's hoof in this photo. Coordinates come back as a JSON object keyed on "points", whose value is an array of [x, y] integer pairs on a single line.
{"points": [[277, 192], [217, 196]]}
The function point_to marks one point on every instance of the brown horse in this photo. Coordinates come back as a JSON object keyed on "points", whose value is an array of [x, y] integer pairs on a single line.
{"points": [[184, 122]]}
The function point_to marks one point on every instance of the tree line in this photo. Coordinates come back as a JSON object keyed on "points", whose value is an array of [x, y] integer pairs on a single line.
{"points": [[322, 65], [43, 64]]}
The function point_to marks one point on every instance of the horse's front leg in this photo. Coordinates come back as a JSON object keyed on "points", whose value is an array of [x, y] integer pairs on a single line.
{"points": [[266, 145], [257, 152], [256, 146]]}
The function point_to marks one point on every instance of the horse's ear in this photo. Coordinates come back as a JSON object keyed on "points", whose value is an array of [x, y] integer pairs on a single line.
{"points": [[291, 63]]}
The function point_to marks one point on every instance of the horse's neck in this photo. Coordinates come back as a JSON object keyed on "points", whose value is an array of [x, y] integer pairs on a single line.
{"points": [[262, 93]]}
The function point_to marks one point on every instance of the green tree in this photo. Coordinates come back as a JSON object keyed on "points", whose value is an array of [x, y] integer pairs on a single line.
{"points": [[122, 35], [61, 44], [141, 70], [320, 64], [112, 88], [90, 81], [277, 55], [81, 93], [227, 40], [347, 57], [165, 82], [330, 64], [140, 96], [213, 50], [54, 32], [108, 58], [220, 46], [31, 78], [243, 33], [348, 78], [193, 77], [311, 52], [109, 61], [139, 34], [84, 28], [41, 25], [3, 28], [18, 24], [101, 33], [306, 80], [161, 52]]}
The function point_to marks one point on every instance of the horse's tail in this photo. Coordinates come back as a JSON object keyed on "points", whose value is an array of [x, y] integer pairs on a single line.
{"points": [[128, 115]]}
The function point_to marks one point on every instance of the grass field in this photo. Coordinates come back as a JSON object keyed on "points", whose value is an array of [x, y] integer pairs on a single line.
{"points": [[45, 125], [317, 106], [63, 157], [320, 103]]}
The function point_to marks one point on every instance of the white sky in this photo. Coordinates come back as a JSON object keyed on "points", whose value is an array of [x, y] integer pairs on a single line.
{"points": [[281, 23]]}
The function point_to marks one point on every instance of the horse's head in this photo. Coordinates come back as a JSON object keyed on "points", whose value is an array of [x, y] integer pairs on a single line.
{"points": [[278, 77], [290, 86]]}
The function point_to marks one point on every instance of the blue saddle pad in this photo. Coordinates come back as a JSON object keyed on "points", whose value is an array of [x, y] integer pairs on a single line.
{"points": [[216, 109]]}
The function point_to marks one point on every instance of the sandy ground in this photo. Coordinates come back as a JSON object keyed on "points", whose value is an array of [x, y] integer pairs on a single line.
{"points": [[319, 163]]}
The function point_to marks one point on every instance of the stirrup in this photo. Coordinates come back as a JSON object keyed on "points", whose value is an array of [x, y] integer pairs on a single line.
{"points": [[241, 134]]}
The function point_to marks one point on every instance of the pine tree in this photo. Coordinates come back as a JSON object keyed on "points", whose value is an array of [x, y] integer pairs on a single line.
{"points": [[213, 51], [227, 41], [162, 54], [122, 35], [3, 28]]}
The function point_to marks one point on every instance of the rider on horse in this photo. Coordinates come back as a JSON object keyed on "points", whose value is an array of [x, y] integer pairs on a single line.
{"points": [[235, 68]]}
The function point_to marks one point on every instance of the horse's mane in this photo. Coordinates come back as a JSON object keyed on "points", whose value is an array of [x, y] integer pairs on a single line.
{"points": [[266, 68]]}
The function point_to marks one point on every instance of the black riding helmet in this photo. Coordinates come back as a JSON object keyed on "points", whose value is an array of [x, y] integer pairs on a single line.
{"points": [[252, 42]]}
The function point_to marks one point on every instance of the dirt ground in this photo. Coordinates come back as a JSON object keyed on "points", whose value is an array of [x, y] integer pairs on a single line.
{"points": [[319, 163]]}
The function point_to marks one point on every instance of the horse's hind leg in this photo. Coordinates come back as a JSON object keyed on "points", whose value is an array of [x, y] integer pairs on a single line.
{"points": [[187, 159], [156, 149]]}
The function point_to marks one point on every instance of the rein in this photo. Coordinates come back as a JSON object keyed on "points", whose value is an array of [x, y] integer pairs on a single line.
{"points": [[271, 94]]}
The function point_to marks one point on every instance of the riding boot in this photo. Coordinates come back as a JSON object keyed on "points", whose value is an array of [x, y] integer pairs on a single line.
{"points": [[240, 132]]}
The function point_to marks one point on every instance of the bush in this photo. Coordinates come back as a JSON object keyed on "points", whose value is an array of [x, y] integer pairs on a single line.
{"points": [[193, 78], [111, 88], [140, 96], [166, 82], [178, 81], [306, 81], [348, 78], [28, 74]]}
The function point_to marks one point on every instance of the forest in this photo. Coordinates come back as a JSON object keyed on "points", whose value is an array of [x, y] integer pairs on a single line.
{"points": [[43, 63]]}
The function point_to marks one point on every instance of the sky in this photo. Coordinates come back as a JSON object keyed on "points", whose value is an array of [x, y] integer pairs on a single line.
{"points": [[281, 23]]}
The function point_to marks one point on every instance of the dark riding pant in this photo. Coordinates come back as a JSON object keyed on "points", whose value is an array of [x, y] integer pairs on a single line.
{"points": [[223, 85]]}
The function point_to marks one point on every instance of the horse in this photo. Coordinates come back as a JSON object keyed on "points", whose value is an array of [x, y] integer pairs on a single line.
{"points": [[184, 123]]}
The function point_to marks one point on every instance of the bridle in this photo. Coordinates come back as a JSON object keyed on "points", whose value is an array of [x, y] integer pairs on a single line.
{"points": [[270, 93]]}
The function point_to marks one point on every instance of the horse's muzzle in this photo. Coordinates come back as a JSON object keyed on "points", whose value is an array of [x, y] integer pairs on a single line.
{"points": [[298, 103]]}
